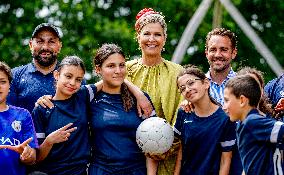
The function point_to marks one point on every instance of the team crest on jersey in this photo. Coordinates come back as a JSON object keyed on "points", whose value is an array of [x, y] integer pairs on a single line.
{"points": [[17, 125]]}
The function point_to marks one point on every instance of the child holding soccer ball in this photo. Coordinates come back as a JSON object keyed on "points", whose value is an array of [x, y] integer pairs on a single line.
{"points": [[18, 139], [207, 135]]}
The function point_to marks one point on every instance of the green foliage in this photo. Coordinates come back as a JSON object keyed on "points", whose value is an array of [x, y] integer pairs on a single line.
{"points": [[86, 24]]}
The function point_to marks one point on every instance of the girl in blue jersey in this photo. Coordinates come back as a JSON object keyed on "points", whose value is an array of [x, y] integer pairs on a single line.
{"points": [[114, 119], [62, 130], [206, 134], [17, 134]]}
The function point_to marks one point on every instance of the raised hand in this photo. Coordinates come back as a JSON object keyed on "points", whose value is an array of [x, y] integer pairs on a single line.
{"points": [[60, 135], [27, 154], [18, 148]]}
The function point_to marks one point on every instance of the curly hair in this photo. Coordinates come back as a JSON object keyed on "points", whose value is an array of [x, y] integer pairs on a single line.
{"points": [[222, 32]]}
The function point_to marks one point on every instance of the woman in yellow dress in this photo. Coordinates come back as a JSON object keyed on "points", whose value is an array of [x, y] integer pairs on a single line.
{"points": [[155, 75]]}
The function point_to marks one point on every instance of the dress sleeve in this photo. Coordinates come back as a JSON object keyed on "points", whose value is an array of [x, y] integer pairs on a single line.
{"points": [[228, 137]]}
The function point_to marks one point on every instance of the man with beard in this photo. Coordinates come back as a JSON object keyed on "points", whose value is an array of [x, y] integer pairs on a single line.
{"points": [[35, 79], [220, 50]]}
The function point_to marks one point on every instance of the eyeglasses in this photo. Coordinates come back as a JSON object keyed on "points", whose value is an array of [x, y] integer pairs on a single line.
{"points": [[189, 83]]}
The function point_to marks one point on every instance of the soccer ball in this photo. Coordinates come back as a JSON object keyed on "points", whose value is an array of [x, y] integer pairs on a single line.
{"points": [[155, 135]]}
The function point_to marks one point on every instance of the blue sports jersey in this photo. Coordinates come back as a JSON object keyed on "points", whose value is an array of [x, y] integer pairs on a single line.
{"points": [[203, 141], [257, 138], [274, 89], [16, 126], [114, 146], [69, 157]]}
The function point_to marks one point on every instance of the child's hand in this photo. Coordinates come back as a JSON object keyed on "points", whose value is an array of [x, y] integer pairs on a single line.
{"points": [[27, 154], [60, 135], [22, 148], [280, 105], [186, 106], [45, 101]]}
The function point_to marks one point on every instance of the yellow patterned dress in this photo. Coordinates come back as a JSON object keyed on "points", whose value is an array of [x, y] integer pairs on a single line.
{"points": [[159, 82]]}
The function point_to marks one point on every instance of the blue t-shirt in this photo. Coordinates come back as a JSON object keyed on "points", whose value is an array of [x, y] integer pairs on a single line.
{"points": [[274, 89], [16, 126], [114, 141], [257, 139], [203, 141], [69, 157], [28, 85]]}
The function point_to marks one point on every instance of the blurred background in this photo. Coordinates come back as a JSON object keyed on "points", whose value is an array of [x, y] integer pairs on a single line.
{"points": [[86, 24]]}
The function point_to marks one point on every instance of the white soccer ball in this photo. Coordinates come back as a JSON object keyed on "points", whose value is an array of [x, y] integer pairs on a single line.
{"points": [[155, 135]]}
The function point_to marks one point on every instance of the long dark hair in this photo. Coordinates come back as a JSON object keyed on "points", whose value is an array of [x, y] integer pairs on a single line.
{"points": [[102, 54]]}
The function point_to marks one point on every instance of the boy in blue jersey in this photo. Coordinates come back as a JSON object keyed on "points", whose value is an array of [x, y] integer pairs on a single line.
{"points": [[257, 136], [17, 134]]}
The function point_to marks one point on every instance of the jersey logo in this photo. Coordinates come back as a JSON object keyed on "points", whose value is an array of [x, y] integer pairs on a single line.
{"points": [[187, 121], [17, 125]]}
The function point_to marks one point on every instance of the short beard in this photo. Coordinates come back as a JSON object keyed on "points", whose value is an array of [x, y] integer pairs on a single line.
{"points": [[45, 63]]}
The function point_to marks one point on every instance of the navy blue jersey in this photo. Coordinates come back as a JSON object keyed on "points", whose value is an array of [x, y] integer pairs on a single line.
{"points": [[69, 157], [274, 89], [203, 141], [28, 85], [16, 126], [114, 144], [257, 138]]}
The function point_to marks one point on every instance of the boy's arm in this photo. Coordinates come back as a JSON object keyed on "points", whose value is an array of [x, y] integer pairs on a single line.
{"points": [[178, 161], [225, 163]]}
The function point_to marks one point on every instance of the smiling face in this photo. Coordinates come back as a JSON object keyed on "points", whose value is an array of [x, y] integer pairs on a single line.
{"points": [[4, 88], [151, 39], [113, 72], [193, 88], [220, 53], [45, 47], [68, 81]]}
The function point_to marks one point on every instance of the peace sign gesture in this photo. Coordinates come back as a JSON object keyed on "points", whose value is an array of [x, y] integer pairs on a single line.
{"points": [[27, 154]]}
